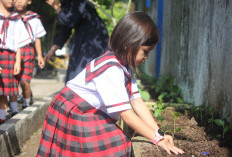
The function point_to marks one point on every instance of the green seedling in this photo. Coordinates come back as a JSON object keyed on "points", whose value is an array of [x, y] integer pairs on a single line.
{"points": [[159, 108], [211, 119], [175, 130], [200, 109], [161, 119], [224, 126]]}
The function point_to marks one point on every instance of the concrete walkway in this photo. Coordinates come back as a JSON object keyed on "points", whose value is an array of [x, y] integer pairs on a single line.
{"points": [[18, 130]]}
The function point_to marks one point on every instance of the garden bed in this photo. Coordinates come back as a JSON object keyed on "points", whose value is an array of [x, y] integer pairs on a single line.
{"points": [[194, 139]]}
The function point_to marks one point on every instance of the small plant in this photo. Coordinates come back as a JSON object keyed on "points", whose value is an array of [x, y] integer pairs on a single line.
{"points": [[175, 130], [165, 86], [224, 126], [199, 110], [211, 119], [159, 108]]}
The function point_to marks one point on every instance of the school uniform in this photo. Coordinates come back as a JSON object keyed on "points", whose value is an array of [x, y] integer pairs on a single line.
{"points": [[36, 30], [81, 119], [12, 36]]}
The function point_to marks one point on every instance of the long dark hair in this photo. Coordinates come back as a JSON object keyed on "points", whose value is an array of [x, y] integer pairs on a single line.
{"points": [[132, 31]]}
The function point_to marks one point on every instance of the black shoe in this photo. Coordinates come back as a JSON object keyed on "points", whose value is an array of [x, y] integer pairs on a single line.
{"points": [[14, 113], [23, 107], [31, 99], [2, 121]]}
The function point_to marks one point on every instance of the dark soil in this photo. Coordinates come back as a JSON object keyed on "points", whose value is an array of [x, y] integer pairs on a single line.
{"points": [[194, 139]]}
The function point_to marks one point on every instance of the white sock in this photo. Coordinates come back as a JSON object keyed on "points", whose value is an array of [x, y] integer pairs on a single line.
{"points": [[2, 114], [14, 106], [26, 101]]}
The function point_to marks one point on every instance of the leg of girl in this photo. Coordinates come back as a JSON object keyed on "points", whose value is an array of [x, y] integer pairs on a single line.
{"points": [[3, 107]]}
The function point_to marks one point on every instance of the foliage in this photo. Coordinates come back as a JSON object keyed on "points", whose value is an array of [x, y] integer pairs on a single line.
{"points": [[208, 114], [224, 126], [165, 86], [198, 111], [144, 94], [211, 119], [159, 108], [119, 12]]}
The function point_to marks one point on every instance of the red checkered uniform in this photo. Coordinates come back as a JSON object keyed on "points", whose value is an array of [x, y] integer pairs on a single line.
{"points": [[27, 63], [12, 35], [35, 30], [9, 83], [73, 127]]}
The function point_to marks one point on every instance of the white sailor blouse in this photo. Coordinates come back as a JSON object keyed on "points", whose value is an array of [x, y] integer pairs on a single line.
{"points": [[34, 26], [106, 85], [13, 33]]}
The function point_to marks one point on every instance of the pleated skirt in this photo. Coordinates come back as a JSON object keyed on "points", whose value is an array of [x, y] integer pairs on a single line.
{"points": [[27, 63], [73, 127], [8, 81]]}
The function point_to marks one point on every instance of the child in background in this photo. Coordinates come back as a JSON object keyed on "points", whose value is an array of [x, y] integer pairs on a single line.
{"points": [[36, 31], [13, 35], [81, 120]]}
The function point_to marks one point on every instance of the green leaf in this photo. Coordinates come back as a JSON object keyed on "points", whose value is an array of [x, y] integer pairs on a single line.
{"points": [[158, 112], [160, 118], [177, 114], [219, 136], [219, 122], [179, 100], [145, 95], [178, 129], [226, 128], [166, 126], [173, 114]]}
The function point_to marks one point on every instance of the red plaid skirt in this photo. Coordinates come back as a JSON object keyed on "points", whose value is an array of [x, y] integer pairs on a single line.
{"points": [[27, 63], [72, 127], [8, 82]]}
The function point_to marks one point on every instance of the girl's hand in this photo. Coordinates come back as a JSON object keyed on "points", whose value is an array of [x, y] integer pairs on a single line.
{"points": [[41, 62], [168, 145], [0, 70], [17, 68]]}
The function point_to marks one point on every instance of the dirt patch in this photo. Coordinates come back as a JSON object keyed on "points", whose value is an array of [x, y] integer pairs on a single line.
{"points": [[193, 139]]}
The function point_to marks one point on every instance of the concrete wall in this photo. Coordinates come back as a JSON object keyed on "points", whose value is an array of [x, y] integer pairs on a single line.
{"points": [[197, 50], [149, 65]]}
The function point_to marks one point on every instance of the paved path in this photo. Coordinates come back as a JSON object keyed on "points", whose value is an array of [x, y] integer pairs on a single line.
{"points": [[41, 88]]}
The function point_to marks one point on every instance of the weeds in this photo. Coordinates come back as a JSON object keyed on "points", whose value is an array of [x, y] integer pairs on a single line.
{"points": [[224, 126]]}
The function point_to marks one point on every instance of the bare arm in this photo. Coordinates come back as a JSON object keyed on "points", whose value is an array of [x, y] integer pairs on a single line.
{"points": [[144, 113], [137, 124], [39, 53], [17, 66], [51, 52]]}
